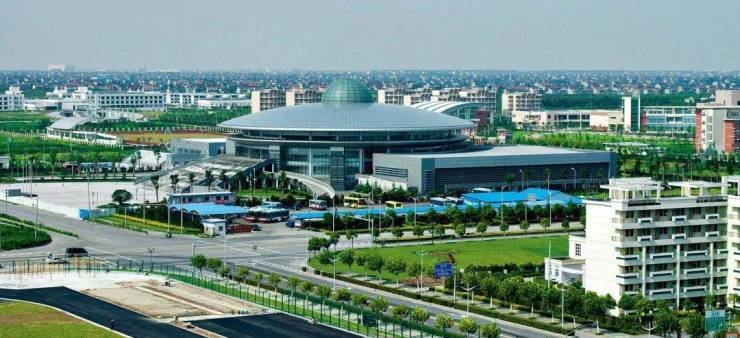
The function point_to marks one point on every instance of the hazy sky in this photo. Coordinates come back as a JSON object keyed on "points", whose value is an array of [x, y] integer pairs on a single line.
{"points": [[371, 35]]}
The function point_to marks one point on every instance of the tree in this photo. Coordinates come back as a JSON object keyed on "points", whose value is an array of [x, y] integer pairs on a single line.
{"points": [[199, 261], [443, 322], [121, 196], [490, 330], [361, 260], [351, 235], [524, 225], [378, 306], [467, 326], [314, 244], [347, 257], [627, 302], [155, 183], [209, 178], [174, 179], [481, 228], [414, 269], [419, 315], [191, 179], [460, 230], [397, 232], [242, 272], [293, 284], [666, 320], [274, 279], [693, 324], [396, 266], [504, 227], [323, 291], [400, 313], [545, 223], [224, 271], [375, 263], [222, 177], [439, 230], [342, 295], [306, 287], [418, 231], [565, 224], [258, 277], [214, 263]]}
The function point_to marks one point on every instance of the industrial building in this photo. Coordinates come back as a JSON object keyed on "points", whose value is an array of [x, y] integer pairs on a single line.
{"points": [[491, 167]]}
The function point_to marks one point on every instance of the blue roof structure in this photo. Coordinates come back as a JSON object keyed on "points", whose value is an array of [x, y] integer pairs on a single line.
{"points": [[536, 194], [492, 199], [209, 209]]}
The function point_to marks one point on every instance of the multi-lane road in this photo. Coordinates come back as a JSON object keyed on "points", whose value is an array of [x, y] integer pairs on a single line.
{"points": [[275, 249]]}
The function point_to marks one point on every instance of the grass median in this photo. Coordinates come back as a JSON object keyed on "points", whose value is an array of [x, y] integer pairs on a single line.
{"points": [[136, 223]]}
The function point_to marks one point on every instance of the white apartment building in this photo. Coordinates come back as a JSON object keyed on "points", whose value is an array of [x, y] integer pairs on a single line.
{"points": [[574, 118], [265, 99], [186, 99], [664, 248], [522, 101], [604, 120], [733, 236], [403, 96], [299, 96], [485, 96], [127, 100], [13, 99]]}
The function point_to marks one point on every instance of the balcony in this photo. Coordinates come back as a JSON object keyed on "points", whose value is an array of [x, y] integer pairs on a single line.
{"points": [[681, 218], [695, 253], [695, 288], [711, 234], [661, 291], [694, 270], [661, 273], [644, 220], [628, 275], [678, 236], [711, 216], [628, 257], [661, 255], [644, 238]]}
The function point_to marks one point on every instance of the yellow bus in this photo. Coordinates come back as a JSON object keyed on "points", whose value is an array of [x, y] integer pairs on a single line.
{"points": [[355, 202], [393, 204]]}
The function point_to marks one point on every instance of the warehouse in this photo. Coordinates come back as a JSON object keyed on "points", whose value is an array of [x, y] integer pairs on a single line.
{"points": [[519, 166]]}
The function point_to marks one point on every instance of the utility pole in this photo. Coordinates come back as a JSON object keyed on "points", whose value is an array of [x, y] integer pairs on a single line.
{"points": [[470, 292], [334, 279]]}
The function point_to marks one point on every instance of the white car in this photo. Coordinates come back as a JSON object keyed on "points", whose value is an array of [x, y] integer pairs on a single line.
{"points": [[56, 260]]}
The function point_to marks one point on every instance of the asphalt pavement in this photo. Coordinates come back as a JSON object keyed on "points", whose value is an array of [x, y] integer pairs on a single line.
{"points": [[277, 325], [125, 321]]}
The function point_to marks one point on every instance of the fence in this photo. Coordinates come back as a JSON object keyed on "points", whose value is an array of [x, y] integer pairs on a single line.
{"points": [[342, 315]]}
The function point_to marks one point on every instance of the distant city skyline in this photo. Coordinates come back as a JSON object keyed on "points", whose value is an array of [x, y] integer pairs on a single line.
{"points": [[370, 35]]}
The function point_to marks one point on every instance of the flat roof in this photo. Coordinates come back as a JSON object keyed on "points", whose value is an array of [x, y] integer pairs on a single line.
{"points": [[205, 140], [207, 209], [695, 184], [503, 150]]}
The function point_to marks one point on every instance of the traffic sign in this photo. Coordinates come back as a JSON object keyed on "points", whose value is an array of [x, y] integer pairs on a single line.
{"points": [[714, 320], [443, 270]]}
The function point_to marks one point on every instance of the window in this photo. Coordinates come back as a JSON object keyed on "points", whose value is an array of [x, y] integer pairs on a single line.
{"points": [[578, 249]]}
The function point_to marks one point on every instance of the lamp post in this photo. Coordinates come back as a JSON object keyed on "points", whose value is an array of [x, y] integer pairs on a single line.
{"points": [[334, 278], [421, 269], [522, 172], [36, 225], [562, 307], [501, 203], [151, 262], [414, 199], [470, 291]]}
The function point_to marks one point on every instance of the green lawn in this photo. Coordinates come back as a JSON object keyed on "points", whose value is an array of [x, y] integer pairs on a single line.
{"points": [[21, 121], [17, 237], [26, 320], [489, 252], [131, 221]]}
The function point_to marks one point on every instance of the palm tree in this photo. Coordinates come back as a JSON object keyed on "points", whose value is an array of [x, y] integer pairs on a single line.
{"points": [[191, 178], [155, 183], [157, 155], [222, 176], [209, 178], [174, 179]]}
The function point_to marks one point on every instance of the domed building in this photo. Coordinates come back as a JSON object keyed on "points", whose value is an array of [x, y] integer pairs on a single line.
{"points": [[336, 139]]}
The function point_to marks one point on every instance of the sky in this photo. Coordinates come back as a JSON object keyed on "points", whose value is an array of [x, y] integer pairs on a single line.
{"points": [[371, 35]]}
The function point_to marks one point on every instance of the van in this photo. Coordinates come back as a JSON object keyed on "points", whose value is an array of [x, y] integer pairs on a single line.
{"points": [[75, 252]]}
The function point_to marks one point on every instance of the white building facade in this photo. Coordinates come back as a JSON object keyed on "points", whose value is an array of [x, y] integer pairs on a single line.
{"points": [[13, 99], [664, 248], [520, 101]]}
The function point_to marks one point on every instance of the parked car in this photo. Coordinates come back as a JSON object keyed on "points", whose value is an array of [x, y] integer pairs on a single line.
{"points": [[75, 252], [256, 227], [56, 260]]}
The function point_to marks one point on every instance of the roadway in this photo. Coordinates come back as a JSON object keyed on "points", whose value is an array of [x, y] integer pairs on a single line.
{"points": [[275, 249]]}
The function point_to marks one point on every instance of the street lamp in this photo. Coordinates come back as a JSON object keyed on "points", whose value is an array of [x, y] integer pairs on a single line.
{"points": [[414, 199], [501, 203], [522, 171], [470, 292], [151, 262], [421, 269], [334, 278]]}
